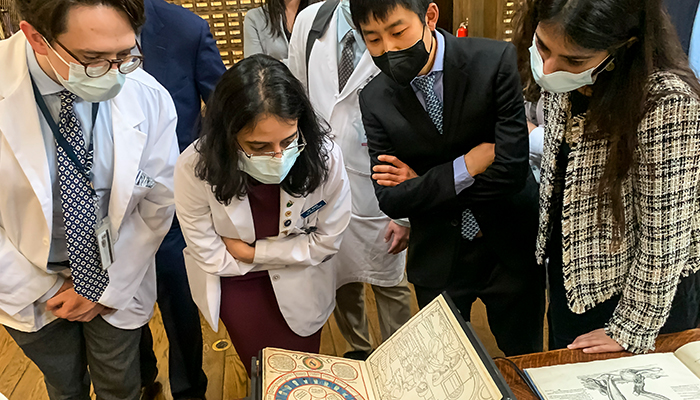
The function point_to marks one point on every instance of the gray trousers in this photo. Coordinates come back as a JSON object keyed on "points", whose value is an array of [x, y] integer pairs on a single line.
{"points": [[64, 350], [393, 307]]}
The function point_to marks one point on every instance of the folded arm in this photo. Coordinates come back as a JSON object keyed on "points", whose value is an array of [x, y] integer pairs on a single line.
{"points": [[510, 168], [205, 246], [315, 247]]}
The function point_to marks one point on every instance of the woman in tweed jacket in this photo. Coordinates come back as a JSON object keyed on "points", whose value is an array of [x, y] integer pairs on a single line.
{"points": [[619, 206]]}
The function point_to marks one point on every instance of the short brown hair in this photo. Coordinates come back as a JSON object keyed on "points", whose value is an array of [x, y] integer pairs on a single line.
{"points": [[49, 16]]}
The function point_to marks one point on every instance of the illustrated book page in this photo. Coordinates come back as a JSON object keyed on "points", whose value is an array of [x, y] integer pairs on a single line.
{"points": [[292, 375], [690, 356], [430, 358], [648, 376]]}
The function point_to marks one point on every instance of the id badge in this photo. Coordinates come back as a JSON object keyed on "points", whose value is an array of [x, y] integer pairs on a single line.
{"points": [[104, 242]]}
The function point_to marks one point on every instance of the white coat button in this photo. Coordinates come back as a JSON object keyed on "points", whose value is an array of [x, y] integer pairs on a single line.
{"points": [[275, 277], [46, 241]]}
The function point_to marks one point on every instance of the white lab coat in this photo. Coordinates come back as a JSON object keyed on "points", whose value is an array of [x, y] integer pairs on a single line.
{"points": [[363, 257], [302, 278], [143, 123]]}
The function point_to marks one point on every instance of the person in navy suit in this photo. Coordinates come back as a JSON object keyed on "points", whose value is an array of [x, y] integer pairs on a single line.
{"points": [[180, 52], [683, 14]]}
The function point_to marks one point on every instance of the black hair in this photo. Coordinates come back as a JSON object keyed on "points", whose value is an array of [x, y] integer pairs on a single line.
{"points": [[639, 36], [276, 12], [49, 17], [254, 87], [363, 10]]}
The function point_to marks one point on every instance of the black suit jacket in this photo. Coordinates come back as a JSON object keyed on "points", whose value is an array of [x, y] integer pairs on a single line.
{"points": [[482, 103], [683, 16]]}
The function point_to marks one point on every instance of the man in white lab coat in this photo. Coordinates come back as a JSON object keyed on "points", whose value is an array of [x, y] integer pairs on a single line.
{"points": [[372, 251], [87, 151]]}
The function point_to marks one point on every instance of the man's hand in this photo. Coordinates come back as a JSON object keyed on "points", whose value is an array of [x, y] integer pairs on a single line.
{"points": [[240, 250], [67, 284], [68, 304], [392, 175], [596, 342], [398, 235], [480, 158]]}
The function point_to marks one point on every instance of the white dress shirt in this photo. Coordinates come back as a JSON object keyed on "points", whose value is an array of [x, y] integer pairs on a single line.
{"points": [[103, 159], [359, 45]]}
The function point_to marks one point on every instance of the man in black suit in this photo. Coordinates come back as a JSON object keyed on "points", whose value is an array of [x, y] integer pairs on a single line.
{"points": [[432, 119]]}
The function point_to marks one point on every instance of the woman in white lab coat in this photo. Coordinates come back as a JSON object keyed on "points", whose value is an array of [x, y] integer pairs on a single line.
{"points": [[263, 200]]}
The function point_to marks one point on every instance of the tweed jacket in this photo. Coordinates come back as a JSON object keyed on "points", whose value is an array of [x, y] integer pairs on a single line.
{"points": [[661, 241]]}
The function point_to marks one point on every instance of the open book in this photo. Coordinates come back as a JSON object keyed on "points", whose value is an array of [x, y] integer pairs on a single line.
{"points": [[663, 376], [434, 356]]}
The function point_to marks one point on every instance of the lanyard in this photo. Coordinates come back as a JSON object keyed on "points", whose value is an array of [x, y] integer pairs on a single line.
{"points": [[61, 140]]}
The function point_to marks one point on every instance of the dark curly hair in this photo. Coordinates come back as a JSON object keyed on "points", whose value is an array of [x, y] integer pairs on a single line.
{"points": [[256, 86]]}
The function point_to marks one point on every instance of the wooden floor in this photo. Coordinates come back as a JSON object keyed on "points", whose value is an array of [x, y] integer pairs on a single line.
{"points": [[20, 379]]}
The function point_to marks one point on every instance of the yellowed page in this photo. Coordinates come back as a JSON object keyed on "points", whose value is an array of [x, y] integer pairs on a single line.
{"points": [[292, 375], [690, 356], [430, 358]]}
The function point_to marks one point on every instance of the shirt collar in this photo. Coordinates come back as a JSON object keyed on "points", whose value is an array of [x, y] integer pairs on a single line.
{"points": [[439, 63], [46, 85], [344, 27]]}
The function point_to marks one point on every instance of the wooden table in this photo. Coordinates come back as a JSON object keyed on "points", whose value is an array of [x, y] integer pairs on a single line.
{"points": [[664, 344]]}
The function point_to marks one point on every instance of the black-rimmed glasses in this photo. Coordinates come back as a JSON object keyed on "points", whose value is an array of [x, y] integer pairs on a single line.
{"points": [[98, 68]]}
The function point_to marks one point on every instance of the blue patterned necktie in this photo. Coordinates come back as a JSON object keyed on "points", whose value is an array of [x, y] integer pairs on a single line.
{"points": [[433, 105], [79, 206], [347, 60]]}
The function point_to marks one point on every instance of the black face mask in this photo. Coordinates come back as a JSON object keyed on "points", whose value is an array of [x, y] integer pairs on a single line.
{"points": [[404, 65]]}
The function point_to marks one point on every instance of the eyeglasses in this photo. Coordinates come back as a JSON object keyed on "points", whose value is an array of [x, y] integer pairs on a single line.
{"points": [[288, 151], [98, 68]]}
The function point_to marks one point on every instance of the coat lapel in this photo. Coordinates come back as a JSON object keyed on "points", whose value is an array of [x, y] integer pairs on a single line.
{"points": [[328, 46], [129, 142], [323, 72], [242, 219], [24, 135], [555, 109], [361, 76], [455, 84], [408, 105]]}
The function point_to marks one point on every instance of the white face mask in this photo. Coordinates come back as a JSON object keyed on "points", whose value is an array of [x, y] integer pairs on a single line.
{"points": [[93, 90], [559, 81], [269, 170], [345, 9]]}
